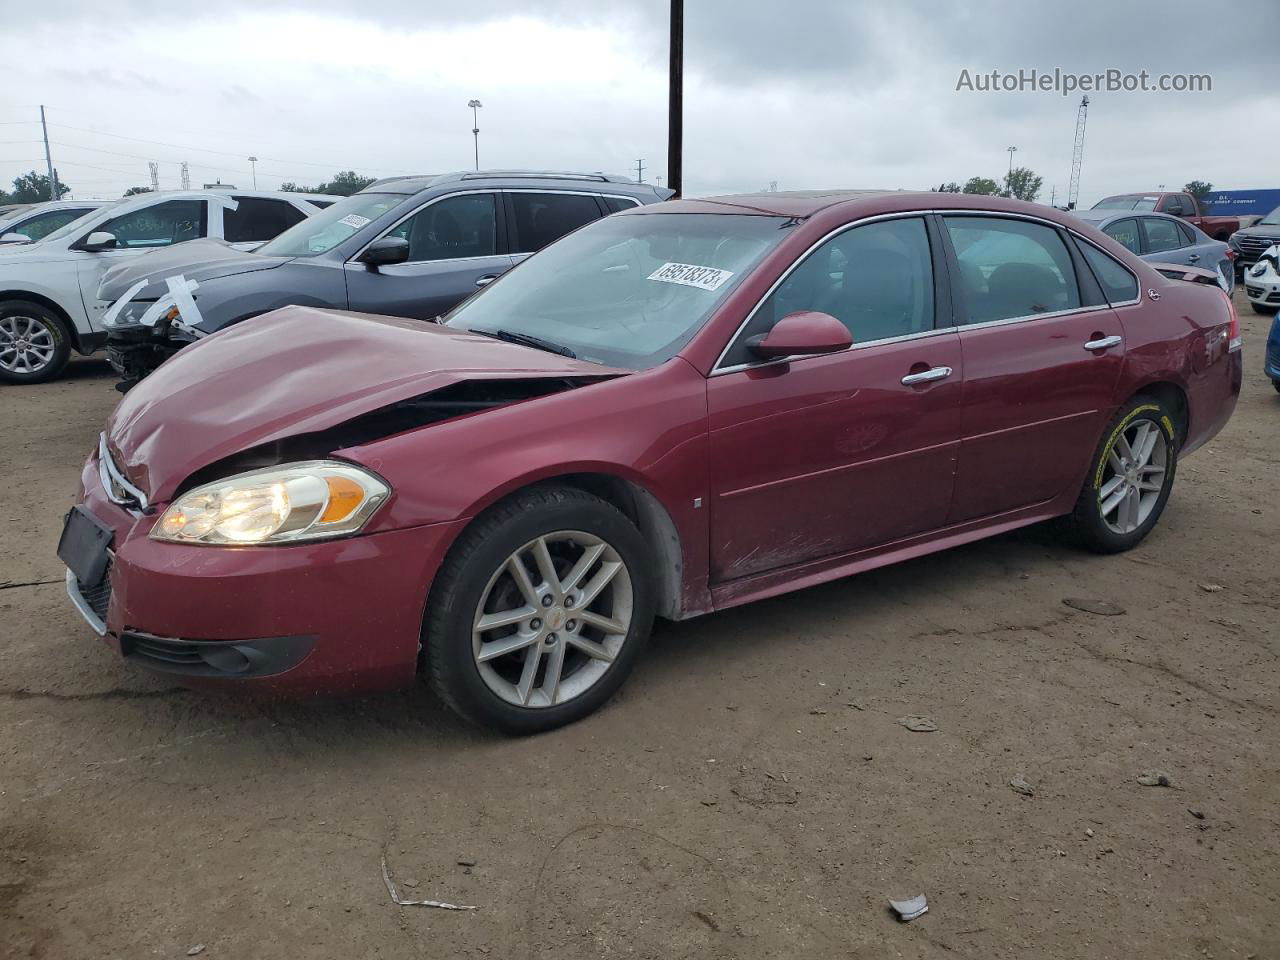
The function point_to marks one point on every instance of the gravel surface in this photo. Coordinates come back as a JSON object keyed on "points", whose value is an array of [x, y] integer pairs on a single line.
{"points": [[749, 794]]}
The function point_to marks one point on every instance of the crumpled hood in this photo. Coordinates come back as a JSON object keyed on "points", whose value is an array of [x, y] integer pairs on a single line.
{"points": [[298, 370], [199, 260]]}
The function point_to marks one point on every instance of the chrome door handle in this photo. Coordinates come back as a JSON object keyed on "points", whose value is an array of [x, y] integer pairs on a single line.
{"points": [[486, 280], [1106, 343], [1194, 258], [937, 373]]}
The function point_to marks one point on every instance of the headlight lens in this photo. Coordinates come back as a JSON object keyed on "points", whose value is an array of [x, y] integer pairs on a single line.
{"points": [[314, 500], [144, 313]]}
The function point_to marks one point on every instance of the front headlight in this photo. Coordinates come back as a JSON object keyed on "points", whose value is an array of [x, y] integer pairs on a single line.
{"points": [[142, 313], [313, 500]]}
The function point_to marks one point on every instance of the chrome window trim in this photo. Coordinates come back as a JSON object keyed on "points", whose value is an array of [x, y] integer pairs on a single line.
{"points": [[422, 206], [1123, 303], [110, 476], [716, 369]]}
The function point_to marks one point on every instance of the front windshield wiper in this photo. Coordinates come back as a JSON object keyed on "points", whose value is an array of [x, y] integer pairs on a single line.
{"points": [[528, 340]]}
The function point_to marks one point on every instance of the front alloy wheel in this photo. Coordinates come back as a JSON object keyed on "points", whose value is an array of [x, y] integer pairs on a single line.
{"points": [[552, 619], [33, 343], [539, 611]]}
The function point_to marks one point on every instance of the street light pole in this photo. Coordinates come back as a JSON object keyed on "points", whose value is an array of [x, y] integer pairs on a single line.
{"points": [[1012, 151], [475, 105]]}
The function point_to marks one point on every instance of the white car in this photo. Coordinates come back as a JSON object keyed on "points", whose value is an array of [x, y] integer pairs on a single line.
{"points": [[49, 289], [1262, 282], [39, 220]]}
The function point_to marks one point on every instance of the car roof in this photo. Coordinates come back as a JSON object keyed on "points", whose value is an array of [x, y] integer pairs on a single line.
{"points": [[1107, 215], [548, 179]]}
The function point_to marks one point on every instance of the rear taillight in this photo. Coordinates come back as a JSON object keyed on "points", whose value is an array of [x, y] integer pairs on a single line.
{"points": [[1232, 253], [1234, 341]]}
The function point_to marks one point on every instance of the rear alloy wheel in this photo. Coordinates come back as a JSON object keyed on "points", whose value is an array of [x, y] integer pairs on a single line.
{"points": [[33, 343], [539, 612], [1130, 479]]}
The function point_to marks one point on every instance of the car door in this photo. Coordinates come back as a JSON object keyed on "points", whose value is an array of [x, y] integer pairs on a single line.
{"points": [[536, 218], [457, 245], [1042, 355], [825, 455], [157, 225]]}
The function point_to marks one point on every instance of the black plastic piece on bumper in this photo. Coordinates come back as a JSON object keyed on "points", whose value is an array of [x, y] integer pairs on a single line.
{"points": [[232, 659]]}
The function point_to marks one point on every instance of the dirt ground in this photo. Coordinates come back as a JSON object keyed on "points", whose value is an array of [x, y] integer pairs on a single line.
{"points": [[749, 794]]}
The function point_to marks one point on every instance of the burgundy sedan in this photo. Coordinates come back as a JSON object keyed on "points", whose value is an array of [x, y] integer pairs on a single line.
{"points": [[672, 411]]}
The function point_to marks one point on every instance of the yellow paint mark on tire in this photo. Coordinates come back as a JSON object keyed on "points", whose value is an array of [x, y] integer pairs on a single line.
{"points": [[1111, 441]]}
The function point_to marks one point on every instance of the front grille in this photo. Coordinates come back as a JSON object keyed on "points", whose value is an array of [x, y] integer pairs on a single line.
{"points": [[171, 653], [98, 597], [1255, 247]]}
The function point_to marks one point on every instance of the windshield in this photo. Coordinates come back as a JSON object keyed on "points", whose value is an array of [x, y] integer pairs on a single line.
{"points": [[627, 291], [1272, 219], [1116, 203], [331, 226]]}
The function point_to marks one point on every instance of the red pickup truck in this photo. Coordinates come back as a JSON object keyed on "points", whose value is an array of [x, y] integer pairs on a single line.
{"points": [[1182, 205]]}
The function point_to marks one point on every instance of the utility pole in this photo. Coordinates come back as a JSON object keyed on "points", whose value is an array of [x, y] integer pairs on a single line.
{"points": [[1053, 195], [675, 101], [475, 106], [155, 175], [48, 158], [1012, 151], [253, 163], [186, 176], [640, 171]]}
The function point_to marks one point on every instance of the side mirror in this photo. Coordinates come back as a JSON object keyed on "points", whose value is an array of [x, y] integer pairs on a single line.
{"points": [[96, 241], [803, 334], [15, 238], [384, 252]]}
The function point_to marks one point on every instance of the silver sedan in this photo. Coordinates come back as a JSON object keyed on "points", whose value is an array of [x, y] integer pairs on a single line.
{"points": [[1160, 238]]}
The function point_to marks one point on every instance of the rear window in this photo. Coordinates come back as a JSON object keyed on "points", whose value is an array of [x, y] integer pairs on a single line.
{"points": [[1118, 284], [1012, 268]]}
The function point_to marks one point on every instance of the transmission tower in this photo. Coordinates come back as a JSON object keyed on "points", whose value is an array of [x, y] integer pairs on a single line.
{"points": [[1077, 155], [186, 176], [155, 174]]}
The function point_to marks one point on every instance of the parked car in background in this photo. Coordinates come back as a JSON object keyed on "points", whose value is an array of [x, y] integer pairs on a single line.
{"points": [[1159, 238], [672, 411], [1250, 243], [408, 246], [1181, 205], [48, 289], [40, 220], [1262, 281]]}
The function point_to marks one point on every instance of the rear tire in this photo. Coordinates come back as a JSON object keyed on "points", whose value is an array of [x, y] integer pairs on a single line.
{"points": [[1130, 479], [562, 644], [35, 344]]}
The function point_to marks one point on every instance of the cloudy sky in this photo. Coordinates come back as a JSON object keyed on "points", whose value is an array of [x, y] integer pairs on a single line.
{"points": [[808, 93]]}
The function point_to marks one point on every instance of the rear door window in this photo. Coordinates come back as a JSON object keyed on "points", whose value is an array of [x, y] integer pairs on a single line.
{"points": [[257, 219], [159, 225], [1012, 268], [1125, 232], [1161, 234], [543, 218]]}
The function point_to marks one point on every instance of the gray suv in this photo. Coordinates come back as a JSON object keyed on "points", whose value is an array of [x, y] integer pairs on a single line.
{"points": [[408, 247]]}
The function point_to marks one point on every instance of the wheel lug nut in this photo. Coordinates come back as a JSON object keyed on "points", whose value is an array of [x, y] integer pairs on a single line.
{"points": [[535, 624], [568, 601], [551, 638], [571, 625], [546, 601]]}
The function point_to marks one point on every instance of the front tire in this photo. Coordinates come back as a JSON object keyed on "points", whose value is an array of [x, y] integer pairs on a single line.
{"points": [[1262, 308], [34, 343], [539, 611], [1130, 479]]}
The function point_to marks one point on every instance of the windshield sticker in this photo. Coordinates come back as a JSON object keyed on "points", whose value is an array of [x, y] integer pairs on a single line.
{"points": [[692, 275], [354, 220]]}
